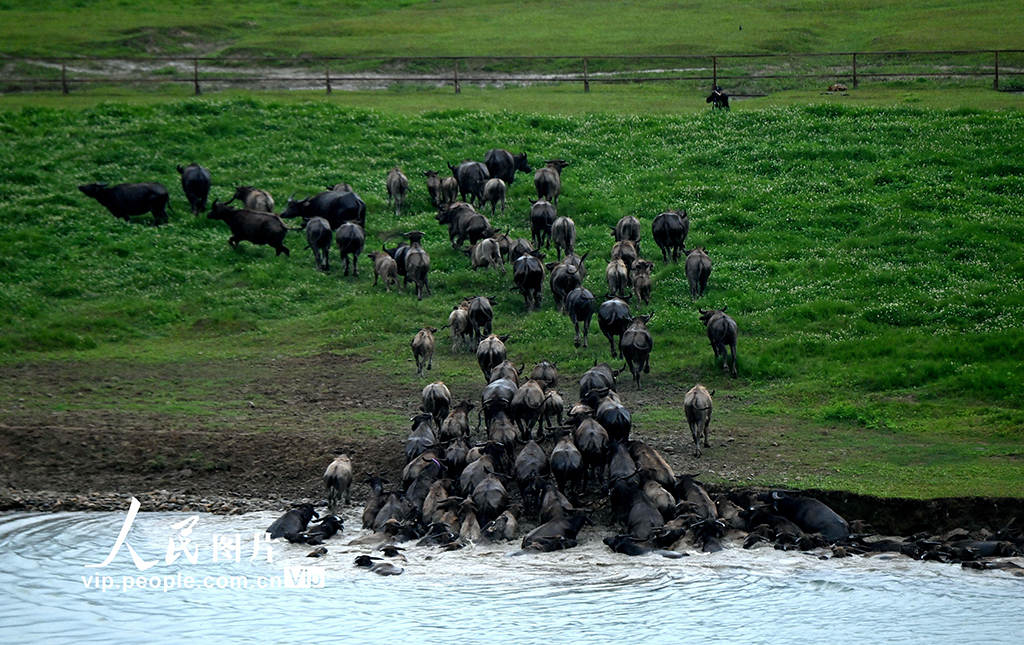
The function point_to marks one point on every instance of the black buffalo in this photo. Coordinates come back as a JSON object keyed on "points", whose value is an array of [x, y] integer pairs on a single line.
{"points": [[293, 521], [613, 317], [334, 206], [528, 276], [195, 181], [251, 226], [670, 230], [472, 176], [125, 200], [579, 304], [502, 164]]}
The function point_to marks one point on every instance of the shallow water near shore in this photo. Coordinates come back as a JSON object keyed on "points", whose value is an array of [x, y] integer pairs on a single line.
{"points": [[475, 595]]}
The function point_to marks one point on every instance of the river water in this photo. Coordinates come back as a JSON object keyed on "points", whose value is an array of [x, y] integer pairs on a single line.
{"points": [[49, 593]]}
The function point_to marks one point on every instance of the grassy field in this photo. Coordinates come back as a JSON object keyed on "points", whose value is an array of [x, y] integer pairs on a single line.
{"points": [[871, 256], [499, 27]]}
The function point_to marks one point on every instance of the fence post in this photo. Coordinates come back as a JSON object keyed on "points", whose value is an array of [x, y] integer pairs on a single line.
{"points": [[586, 79], [458, 90], [855, 71], [64, 77], [195, 75], [714, 71], [995, 83], [327, 75]]}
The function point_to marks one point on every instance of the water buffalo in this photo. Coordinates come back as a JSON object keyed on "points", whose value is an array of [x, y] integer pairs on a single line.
{"points": [[421, 438], [530, 468], [563, 235], [502, 164], [697, 405], [811, 515], [580, 305], [623, 479], [436, 401], [494, 192], [464, 223], [641, 272], [253, 199], [384, 266], [434, 188], [644, 518], [505, 528], [614, 417], [593, 443], [669, 230], [627, 252], [481, 316], [423, 349], [490, 498], [472, 176], [374, 501], [398, 188], [417, 264], [542, 216], [518, 247], [125, 200], [293, 521], [528, 277], [334, 206], [338, 480], [721, 330], [351, 239], [718, 99], [617, 277], [485, 253], [449, 190], [628, 228], [548, 180], [564, 278], [507, 370], [698, 270], [461, 329], [545, 373], [251, 226], [456, 424], [613, 317], [489, 352], [635, 347], [527, 407], [566, 464], [553, 408], [559, 533], [195, 181], [597, 382], [318, 238]]}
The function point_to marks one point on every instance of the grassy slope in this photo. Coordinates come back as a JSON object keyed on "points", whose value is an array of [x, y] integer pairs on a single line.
{"points": [[501, 27], [871, 257]]}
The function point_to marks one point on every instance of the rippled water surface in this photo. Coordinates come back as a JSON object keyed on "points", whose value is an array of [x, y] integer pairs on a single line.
{"points": [[476, 595]]}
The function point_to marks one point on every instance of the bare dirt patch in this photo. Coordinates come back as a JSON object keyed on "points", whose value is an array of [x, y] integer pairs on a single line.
{"points": [[228, 436]]}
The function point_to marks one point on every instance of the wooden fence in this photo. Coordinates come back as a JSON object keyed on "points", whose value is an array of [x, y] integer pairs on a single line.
{"points": [[741, 74]]}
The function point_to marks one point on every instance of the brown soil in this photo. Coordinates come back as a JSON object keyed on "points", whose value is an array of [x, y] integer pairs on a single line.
{"points": [[259, 433]]}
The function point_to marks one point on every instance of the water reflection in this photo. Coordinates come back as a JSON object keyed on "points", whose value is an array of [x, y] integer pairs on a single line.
{"points": [[478, 594]]}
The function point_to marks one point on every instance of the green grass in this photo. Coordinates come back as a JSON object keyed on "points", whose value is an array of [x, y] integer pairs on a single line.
{"points": [[871, 256], [499, 27]]}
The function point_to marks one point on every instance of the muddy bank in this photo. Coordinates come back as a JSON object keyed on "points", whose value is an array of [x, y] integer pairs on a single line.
{"points": [[236, 436]]}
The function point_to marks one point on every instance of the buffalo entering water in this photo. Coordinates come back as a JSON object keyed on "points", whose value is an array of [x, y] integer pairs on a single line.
{"points": [[585, 594]]}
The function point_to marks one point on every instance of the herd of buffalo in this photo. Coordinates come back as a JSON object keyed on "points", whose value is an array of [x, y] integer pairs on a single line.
{"points": [[337, 216], [528, 459]]}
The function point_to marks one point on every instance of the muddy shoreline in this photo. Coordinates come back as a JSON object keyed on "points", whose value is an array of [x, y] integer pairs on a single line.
{"points": [[257, 435]]}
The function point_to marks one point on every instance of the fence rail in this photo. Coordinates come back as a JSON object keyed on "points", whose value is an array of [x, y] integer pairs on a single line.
{"points": [[743, 73]]}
